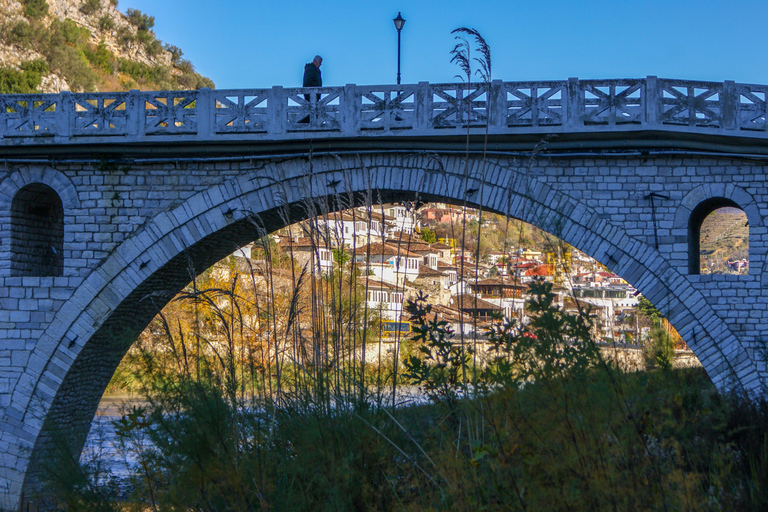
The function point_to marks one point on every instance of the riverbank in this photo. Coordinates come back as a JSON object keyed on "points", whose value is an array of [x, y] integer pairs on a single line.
{"points": [[662, 439], [114, 404]]}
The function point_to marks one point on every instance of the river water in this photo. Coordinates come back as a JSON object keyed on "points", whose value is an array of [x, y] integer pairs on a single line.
{"points": [[102, 451], [102, 446]]}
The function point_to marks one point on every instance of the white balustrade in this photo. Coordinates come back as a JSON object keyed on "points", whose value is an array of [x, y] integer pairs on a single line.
{"points": [[422, 109]]}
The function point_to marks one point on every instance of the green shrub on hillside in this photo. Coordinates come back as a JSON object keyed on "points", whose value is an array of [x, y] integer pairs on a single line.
{"points": [[25, 81], [37, 66], [125, 37], [189, 78], [185, 66], [161, 78], [106, 23], [33, 35], [144, 36], [192, 81], [69, 32], [140, 20], [63, 43], [143, 73], [175, 52], [101, 58], [66, 57], [19, 33], [152, 46], [35, 8], [73, 66], [90, 6]]}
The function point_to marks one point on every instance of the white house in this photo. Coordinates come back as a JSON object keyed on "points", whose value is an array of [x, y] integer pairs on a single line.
{"points": [[405, 219], [384, 298], [317, 258], [403, 263], [352, 228]]}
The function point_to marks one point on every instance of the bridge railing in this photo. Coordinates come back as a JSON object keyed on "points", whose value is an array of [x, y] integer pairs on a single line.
{"points": [[568, 106]]}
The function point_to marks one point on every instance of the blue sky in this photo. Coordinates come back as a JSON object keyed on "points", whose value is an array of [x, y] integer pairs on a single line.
{"points": [[261, 43]]}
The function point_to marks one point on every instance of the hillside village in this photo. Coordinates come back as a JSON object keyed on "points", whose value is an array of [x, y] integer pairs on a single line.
{"points": [[385, 247]]}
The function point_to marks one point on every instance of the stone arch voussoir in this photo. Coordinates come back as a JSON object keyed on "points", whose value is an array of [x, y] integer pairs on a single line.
{"points": [[28, 175]]}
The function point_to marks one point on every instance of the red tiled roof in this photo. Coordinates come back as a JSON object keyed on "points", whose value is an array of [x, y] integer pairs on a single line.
{"points": [[541, 270]]}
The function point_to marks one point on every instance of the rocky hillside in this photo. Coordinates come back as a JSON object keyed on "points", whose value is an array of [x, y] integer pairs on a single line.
{"points": [[724, 236], [86, 45]]}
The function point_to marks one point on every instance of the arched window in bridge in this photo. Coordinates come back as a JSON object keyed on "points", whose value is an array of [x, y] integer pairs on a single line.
{"points": [[37, 232], [718, 238]]}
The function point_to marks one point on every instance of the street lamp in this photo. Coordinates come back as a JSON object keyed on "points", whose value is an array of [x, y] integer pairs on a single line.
{"points": [[399, 22]]}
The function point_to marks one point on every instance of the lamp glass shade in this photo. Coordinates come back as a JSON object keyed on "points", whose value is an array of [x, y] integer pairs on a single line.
{"points": [[399, 22]]}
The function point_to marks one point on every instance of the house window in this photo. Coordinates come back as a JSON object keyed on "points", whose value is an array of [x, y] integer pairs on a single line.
{"points": [[378, 297], [37, 232]]}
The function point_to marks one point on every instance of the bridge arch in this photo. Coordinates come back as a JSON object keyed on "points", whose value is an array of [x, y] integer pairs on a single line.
{"points": [[703, 200], [78, 353]]}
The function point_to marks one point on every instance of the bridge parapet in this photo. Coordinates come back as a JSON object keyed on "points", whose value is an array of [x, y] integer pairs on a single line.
{"points": [[426, 109]]}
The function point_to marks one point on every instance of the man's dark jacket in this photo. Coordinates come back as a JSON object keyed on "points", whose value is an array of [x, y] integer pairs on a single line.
{"points": [[312, 76]]}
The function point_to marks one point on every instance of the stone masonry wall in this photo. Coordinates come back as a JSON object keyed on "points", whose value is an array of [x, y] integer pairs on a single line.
{"points": [[112, 205], [618, 188]]}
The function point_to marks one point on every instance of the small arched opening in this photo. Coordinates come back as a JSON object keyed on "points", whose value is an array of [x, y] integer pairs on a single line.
{"points": [[718, 238], [37, 232]]}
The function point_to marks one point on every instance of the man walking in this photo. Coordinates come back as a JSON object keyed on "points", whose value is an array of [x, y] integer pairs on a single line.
{"points": [[312, 76]]}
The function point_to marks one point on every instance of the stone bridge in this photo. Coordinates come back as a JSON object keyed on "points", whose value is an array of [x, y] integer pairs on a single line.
{"points": [[106, 199]]}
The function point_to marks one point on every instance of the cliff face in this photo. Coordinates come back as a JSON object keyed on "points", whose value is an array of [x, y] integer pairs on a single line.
{"points": [[85, 45]]}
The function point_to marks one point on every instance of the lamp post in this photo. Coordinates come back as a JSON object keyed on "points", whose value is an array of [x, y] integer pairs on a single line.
{"points": [[399, 22]]}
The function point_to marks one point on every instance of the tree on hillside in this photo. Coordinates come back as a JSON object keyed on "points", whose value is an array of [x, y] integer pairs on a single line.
{"points": [[428, 235]]}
